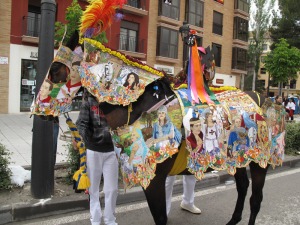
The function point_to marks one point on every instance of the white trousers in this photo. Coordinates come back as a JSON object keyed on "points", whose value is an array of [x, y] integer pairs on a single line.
{"points": [[105, 163], [189, 182]]}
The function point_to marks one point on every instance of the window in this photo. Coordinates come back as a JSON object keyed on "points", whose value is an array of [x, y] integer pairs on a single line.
{"points": [[217, 51], [242, 5], [293, 84], [28, 74], [261, 83], [239, 58], [169, 10], [262, 59], [194, 12], [263, 71], [218, 23], [240, 29], [128, 36], [265, 47], [134, 3], [167, 42], [33, 21]]}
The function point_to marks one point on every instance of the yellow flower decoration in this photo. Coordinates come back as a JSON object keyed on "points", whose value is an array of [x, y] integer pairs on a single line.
{"points": [[123, 57]]}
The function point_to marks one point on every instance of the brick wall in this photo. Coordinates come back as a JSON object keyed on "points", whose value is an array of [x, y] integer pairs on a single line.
{"points": [[5, 21]]}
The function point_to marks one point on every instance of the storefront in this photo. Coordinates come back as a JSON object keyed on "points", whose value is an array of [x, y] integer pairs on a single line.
{"points": [[28, 83]]}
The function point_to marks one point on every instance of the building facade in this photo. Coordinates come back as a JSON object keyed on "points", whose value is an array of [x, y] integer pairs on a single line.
{"points": [[149, 32], [290, 88], [222, 25]]}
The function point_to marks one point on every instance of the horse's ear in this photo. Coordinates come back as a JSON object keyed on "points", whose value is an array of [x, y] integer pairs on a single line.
{"points": [[73, 41]]}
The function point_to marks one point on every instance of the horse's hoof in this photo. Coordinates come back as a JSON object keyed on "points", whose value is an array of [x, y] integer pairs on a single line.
{"points": [[234, 221]]}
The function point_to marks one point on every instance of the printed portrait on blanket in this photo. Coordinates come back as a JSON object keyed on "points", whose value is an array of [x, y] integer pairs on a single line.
{"points": [[61, 84], [111, 76], [150, 140]]}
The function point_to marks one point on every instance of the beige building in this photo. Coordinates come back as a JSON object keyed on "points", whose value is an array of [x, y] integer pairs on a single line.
{"points": [[221, 24], [289, 88], [5, 21]]}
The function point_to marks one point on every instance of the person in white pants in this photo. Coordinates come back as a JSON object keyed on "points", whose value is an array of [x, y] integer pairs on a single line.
{"points": [[187, 203], [100, 159], [99, 163]]}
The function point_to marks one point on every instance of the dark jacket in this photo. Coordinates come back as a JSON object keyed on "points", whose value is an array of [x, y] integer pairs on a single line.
{"points": [[93, 127]]}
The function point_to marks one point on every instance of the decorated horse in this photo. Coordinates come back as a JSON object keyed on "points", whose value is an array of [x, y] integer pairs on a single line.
{"points": [[162, 128]]}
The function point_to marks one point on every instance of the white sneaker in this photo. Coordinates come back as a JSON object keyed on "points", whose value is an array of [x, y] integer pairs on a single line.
{"points": [[192, 209]]}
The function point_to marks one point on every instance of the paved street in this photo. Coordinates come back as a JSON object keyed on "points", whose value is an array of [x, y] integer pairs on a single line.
{"points": [[16, 135], [281, 205]]}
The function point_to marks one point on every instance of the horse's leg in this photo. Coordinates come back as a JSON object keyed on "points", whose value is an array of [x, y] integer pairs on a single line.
{"points": [[242, 184], [156, 193], [258, 176]]}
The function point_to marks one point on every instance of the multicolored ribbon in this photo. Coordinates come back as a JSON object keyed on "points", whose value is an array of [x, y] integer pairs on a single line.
{"points": [[196, 85]]}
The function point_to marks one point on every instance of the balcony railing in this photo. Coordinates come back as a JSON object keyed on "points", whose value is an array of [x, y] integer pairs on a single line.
{"points": [[31, 26], [131, 44], [242, 5], [139, 4]]}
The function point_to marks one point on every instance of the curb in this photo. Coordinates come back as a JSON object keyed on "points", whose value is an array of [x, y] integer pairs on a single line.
{"points": [[47, 207]]}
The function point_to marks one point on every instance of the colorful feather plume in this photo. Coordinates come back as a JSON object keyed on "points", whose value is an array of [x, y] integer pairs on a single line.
{"points": [[98, 16]]}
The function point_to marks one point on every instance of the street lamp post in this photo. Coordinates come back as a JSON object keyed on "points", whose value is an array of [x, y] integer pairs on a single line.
{"points": [[42, 161], [187, 37]]}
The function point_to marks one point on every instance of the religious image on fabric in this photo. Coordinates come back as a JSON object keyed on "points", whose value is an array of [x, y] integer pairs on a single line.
{"points": [[150, 140], [231, 134]]}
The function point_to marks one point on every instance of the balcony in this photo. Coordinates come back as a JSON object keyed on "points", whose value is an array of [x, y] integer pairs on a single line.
{"points": [[239, 60], [135, 7], [132, 46], [30, 29], [240, 31], [241, 7]]}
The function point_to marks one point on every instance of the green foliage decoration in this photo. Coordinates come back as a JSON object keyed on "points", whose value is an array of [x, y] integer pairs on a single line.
{"points": [[73, 18], [5, 172]]}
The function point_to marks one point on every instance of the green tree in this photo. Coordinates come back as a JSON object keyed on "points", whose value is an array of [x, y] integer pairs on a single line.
{"points": [[283, 63], [287, 25], [260, 22], [73, 16]]}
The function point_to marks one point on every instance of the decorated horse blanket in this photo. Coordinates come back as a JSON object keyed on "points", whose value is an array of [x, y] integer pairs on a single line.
{"points": [[222, 136]]}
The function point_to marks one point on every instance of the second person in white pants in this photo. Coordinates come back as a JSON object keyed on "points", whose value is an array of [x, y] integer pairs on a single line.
{"points": [[100, 159], [187, 203]]}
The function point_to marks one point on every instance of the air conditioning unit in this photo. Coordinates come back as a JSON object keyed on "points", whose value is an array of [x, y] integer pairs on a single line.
{"points": [[167, 69]]}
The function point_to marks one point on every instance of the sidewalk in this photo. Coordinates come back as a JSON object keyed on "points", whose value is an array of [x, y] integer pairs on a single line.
{"points": [[16, 135]]}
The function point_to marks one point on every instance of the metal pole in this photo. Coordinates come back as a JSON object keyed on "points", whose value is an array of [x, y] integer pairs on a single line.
{"points": [[42, 165]]}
